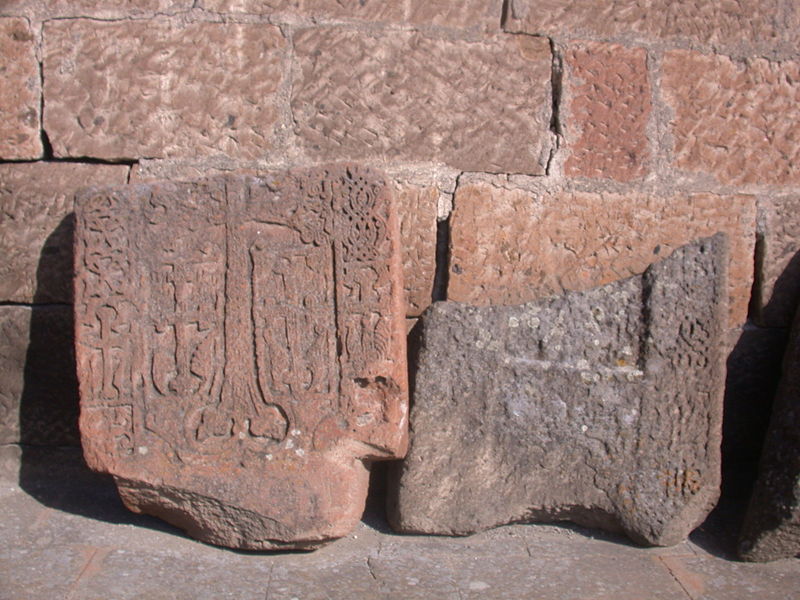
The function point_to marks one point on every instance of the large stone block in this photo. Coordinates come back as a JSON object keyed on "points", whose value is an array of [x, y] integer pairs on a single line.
{"points": [[771, 528], [759, 22], [606, 96], [241, 350], [160, 88], [480, 15], [601, 407], [511, 246], [736, 121], [36, 226], [409, 97], [369, 10], [38, 387], [107, 9], [776, 294], [20, 94]]}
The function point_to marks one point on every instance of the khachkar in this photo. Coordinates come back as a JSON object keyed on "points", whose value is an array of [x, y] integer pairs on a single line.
{"points": [[241, 350], [601, 407], [771, 527]]}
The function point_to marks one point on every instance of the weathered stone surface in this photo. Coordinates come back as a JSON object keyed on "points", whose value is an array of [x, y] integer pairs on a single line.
{"points": [[370, 10], [601, 407], [416, 207], [511, 246], [701, 21], [409, 97], [159, 88], [38, 388], [36, 227], [20, 94], [771, 528], [484, 15], [737, 121], [109, 9], [241, 350], [606, 95], [777, 291]]}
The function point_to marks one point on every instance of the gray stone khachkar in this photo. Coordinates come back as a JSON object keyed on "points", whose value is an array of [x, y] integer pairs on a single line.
{"points": [[771, 528], [241, 350], [601, 407]]}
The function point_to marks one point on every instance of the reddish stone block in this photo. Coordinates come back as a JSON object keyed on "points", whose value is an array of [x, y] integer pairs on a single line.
{"points": [[368, 10], [417, 206], [20, 94], [409, 97], [36, 228], [482, 15], [159, 88], [606, 96], [511, 246], [698, 21], [241, 350], [776, 294], [737, 121], [107, 9]]}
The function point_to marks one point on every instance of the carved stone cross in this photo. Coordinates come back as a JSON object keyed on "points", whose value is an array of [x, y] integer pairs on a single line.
{"points": [[241, 350]]}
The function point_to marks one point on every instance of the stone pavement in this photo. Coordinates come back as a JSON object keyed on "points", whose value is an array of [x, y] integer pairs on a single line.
{"points": [[66, 536]]}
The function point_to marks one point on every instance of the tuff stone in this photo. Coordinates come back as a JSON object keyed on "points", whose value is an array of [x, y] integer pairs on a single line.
{"points": [[601, 407], [36, 227], [776, 294], [416, 208], [510, 246], [606, 95], [38, 388], [347, 103], [481, 15], [756, 22], [241, 350], [20, 94], [734, 120], [370, 10], [771, 528], [107, 9], [224, 80]]}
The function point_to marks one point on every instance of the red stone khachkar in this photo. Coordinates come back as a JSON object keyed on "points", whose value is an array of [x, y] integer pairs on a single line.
{"points": [[241, 350]]}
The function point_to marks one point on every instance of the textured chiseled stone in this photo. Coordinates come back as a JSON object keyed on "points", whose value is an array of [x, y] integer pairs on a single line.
{"points": [[20, 94], [108, 9], [511, 246], [777, 292], [606, 94], [737, 121], [371, 10], [416, 207], [771, 528], [160, 88], [241, 350], [482, 15], [601, 407], [698, 21], [409, 97], [36, 228], [38, 389]]}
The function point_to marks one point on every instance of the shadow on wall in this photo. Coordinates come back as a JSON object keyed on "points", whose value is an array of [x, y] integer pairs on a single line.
{"points": [[52, 468]]}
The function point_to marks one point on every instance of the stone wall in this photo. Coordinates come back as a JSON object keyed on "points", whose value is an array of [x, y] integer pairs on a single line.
{"points": [[536, 146]]}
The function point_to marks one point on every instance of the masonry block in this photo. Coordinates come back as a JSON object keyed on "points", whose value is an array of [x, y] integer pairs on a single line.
{"points": [[736, 121], [408, 97], [161, 88], [512, 246], [606, 95], [20, 94]]}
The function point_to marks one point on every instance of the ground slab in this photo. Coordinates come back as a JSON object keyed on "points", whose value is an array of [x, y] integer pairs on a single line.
{"points": [[67, 535]]}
